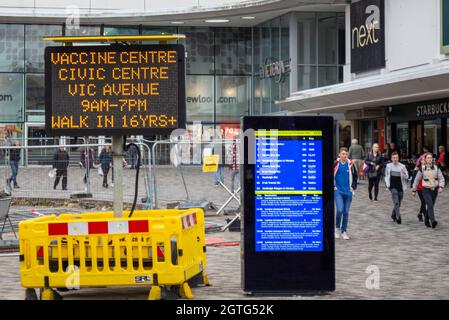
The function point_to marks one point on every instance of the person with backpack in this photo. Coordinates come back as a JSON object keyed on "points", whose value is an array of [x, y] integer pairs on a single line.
{"points": [[433, 183], [375, 163], [396, 176], [345, 183]]}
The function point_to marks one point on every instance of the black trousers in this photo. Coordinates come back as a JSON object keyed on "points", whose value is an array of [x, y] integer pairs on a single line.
{"points": [[61, 173], [422, 209], [373, 183], [105, 176]]}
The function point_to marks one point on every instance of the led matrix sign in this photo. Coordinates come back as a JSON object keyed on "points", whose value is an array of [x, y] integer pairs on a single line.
{"points": [[288, 204], [117, 89], [289, 191]]}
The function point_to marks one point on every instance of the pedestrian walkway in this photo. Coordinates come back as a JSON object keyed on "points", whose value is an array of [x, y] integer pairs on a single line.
{"points": [[412, 260]]}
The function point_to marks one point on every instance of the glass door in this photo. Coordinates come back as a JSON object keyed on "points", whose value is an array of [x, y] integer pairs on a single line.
{"points": [[430, 137], [403, 139]]}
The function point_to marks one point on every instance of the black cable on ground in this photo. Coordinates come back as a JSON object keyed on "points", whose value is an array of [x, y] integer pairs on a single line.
{"points": [[126, 147]]}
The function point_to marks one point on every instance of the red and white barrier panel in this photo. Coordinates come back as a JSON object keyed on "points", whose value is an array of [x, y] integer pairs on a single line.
{"points": [[189, 221], [97, 227]]}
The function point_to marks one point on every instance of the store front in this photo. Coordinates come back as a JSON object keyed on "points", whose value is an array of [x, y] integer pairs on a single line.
{"points": [[418, 125], [368, 127]]}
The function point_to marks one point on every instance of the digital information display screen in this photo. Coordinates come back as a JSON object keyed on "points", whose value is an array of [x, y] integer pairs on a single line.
{"points": [[288, 243], [116, 89], [288, 191]]}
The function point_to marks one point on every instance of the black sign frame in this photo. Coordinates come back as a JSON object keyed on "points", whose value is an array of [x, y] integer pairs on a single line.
{"points": [[287, 272], [369, 57], [181, 109]]}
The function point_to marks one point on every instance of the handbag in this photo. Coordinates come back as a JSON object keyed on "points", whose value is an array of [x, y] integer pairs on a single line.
{"points": [[372, 174]]}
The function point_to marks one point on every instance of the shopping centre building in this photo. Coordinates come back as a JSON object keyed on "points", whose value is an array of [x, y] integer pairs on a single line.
{"points": [[381, 68]]}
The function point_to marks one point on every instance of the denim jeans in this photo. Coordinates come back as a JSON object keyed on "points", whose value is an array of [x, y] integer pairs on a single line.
{"points": [[234, 174], [343, 203], [219, 175], [14, 170]]}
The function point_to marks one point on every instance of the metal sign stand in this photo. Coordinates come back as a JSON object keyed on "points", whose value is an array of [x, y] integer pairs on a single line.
{"points": [[117, 156]]}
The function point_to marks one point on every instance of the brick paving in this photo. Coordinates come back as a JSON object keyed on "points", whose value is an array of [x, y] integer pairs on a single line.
{"points": [[413, 260]]}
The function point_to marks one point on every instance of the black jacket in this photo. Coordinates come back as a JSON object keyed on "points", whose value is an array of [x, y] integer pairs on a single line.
{"points": [[61, 160], [14, 154], [373, 161]]}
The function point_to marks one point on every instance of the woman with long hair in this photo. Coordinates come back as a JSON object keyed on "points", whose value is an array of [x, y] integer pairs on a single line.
{"points": [[432, 183], [375, 162]]}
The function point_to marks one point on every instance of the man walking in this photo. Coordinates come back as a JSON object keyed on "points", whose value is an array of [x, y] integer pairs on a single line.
{"points": [[396, 176], [14, 158], [345, 181], [356, 154], [61, 163]]}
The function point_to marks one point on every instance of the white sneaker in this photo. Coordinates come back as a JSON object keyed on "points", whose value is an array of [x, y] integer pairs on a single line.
{"points": [[337, 233], [344, 236], [112, 185]]}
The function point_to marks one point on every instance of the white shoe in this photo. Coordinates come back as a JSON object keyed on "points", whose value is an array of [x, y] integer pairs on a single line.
{"points": [[112, 185], [344, 236], [337, 233]]}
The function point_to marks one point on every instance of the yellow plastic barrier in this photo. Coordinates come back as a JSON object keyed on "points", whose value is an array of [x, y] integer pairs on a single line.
{"points": [[157, 248]]}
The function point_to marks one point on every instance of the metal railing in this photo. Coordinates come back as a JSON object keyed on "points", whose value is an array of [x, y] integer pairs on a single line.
{"points": [[73, 175]]}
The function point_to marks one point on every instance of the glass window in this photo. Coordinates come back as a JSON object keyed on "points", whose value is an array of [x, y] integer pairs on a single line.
{"points": [[402, 138], [11, 97], [285, 37], [257, 50], [341, 38], [344, 133], [35, 46], [432, 135], [307, 77], [199, 44], [327, 38], [367, 135], [200, 98], [233, 51], [35, 98], [306, 38], [121, 31], [154, 30], [265, 85], [327, 76], [83, 31], [11, 48], [232, 97], [275, 39], [257, 95]]}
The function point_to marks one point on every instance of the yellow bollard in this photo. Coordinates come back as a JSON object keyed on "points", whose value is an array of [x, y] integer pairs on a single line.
{"points": [[185, 291], [206, 281], [47, 294], [155, 293]]}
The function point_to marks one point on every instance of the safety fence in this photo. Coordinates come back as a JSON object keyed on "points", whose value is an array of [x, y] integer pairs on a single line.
{"points": [[152, 248], [184, 179], [73, 169], [170, 172]]}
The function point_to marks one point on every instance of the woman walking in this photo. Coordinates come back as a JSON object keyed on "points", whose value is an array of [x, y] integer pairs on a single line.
{"points": [[105, 162], [375, 162], [432, 182], [422, 209]]}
